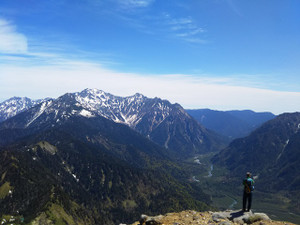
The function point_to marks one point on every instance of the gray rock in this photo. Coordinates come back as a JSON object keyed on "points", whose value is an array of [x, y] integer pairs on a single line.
{"points": [[258, 217], [225, 223], [262, 216], [143, 219], [241, 217], [220, 215], [229, 216], [146, 220], [196, 217], [152, 222], [248, 217]]}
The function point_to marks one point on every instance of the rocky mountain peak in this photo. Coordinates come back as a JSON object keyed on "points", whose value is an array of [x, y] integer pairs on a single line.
{"points": [[95, 94], [138, 95], [15, 105]]}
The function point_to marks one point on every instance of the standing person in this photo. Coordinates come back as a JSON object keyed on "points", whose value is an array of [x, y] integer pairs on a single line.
{"points": [[248, 183]]}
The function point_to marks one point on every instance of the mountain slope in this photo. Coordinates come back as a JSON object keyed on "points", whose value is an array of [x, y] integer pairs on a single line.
{"points": [[271, 153], [105, 189], [264, 147], [232, 124]]}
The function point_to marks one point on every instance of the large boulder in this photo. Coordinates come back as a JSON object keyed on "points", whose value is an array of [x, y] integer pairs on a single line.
{"points": [[240, 217]]}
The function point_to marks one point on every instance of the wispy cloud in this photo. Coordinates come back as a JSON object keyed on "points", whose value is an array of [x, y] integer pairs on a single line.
{"points": [[233, 6], [135, 3], [18, 50], [14, 46], [190, 32], [12, 42], [196, 40], [184, 28], [140, 15]]}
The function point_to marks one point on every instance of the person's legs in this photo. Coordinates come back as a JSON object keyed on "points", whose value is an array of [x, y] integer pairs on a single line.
{"points": [[244, 201], [249, 201]]}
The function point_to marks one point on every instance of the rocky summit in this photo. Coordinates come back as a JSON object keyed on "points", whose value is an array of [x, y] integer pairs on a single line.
{"points": [[228, 217]]}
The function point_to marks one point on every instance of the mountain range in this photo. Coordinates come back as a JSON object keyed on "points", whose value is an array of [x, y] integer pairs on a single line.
{"points": [[160, 121], [94, 158], [232, 124], [62, 161]]}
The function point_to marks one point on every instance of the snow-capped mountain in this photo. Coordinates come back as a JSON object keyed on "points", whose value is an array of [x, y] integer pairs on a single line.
{"points": [[15, 105], [127, 110], [162, 122]]}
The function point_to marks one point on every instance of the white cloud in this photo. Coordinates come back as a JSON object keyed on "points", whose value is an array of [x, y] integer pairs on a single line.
{"points": [[189, 33], [180, 21], [187, 90], [136, 3], [11, 42], [196, 40]]}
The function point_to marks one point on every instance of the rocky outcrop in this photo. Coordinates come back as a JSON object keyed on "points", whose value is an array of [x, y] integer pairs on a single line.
{"points": [[228, 217], [240, 217]]}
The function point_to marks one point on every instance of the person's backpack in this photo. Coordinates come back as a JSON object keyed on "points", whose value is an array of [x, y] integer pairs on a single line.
{"points": [[249, 185]]}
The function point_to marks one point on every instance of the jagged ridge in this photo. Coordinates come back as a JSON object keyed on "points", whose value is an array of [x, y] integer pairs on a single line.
{"points": [[162, 122]]}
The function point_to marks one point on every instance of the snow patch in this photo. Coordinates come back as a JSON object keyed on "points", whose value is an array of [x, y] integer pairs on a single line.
{"points": [[43, 107], [298, 128], [195, 179], [167, 141], [86, 113], [197, 161], [286, 143], [75, 177]]}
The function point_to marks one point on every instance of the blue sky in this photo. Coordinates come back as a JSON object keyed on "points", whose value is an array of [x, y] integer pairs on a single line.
{"points": [[218, 54]]}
